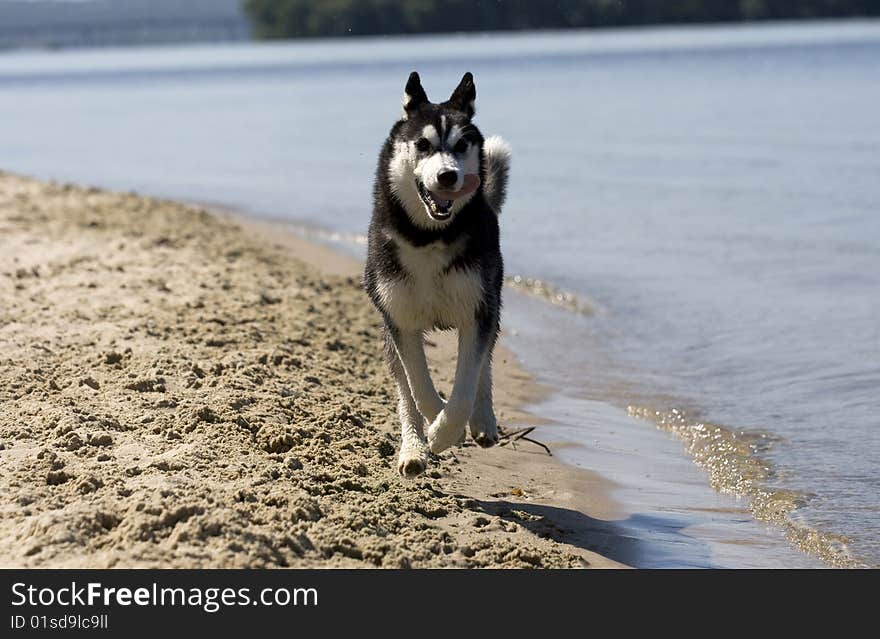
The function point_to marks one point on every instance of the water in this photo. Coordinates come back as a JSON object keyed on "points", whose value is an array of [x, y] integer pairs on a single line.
{"points": [[709, 196]]}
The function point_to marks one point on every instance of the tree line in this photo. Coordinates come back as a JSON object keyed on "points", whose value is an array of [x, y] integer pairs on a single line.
{"points": [[321, 18]]}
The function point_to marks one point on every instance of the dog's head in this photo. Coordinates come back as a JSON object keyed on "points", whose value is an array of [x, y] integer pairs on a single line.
{"points": [[435, 160]]}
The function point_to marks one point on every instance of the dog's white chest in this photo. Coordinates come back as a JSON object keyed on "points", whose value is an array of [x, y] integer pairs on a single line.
{"points": [[429, 294]]}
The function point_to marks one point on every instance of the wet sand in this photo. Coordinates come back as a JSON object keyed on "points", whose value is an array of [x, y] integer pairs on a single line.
{"points": [[180, 389]]}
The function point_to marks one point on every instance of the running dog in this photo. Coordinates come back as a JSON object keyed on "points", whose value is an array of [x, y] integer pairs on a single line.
{"points": [[434, 262]]}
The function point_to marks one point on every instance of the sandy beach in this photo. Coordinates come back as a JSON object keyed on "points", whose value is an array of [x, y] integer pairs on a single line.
{"points": [[182, 389]]}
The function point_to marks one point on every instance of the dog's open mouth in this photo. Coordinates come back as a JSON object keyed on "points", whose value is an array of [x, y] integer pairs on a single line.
{"points": [[439, 205], [438, 208]]}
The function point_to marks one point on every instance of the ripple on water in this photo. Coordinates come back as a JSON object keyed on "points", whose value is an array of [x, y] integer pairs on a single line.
{"points": [[544, 290], [736, 464]]}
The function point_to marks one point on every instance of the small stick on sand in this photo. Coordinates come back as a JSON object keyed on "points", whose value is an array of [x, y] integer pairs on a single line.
{"points": [[512, 436]]}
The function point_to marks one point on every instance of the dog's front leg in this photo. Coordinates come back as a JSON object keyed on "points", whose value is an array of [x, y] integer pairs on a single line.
{"points": [[447, 429], [484, 427], [410, 346], [413, 457]]}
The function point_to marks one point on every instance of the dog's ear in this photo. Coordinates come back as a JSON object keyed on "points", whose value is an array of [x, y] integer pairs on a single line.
{"points": [[414, 95], [465, 94]]}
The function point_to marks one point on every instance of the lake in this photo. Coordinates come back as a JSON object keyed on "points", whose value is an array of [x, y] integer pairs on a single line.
{"points": [[708, 196]]}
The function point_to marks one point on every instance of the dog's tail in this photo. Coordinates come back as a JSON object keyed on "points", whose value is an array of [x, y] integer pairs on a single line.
{"points": [[496, 157]]}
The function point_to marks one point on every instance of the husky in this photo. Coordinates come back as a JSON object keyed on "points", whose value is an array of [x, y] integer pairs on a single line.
{"points": [[434, 262]]}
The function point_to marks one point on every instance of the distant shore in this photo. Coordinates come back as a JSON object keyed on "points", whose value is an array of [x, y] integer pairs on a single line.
{"points": [[180, 390], [275, 19]]}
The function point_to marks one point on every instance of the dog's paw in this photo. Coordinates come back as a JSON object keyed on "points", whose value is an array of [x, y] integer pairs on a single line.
{"points": [[443, 433], [412, 462], [484, 430]]}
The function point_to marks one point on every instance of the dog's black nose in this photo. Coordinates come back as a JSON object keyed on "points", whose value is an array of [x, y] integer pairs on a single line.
{"points": [[447, 178]]}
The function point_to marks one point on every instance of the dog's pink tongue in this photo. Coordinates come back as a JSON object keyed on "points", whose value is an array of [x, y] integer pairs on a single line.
{"points": [[471, 182]]}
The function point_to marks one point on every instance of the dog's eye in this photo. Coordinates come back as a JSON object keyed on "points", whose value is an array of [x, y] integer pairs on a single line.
{"points": [[423, 145], [461, 146]]}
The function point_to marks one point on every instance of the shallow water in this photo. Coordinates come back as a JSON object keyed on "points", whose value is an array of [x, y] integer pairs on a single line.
{"points": [[709, 196]]}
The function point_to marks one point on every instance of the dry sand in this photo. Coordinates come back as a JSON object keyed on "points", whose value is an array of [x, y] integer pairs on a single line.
{"points": [[179, 391]]}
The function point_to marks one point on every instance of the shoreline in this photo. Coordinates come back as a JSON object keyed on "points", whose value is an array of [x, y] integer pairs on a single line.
{"points": [[688, 521], [178, 395]]}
